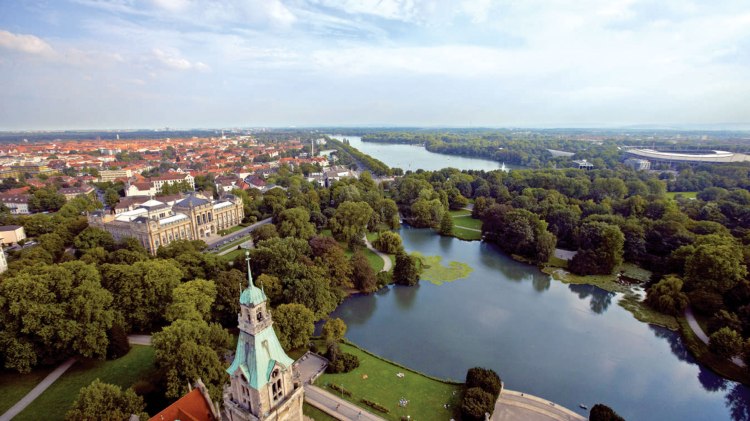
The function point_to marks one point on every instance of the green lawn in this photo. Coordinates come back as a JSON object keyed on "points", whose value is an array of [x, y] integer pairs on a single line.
{"points": [[467, 222], [426, 396], [375, 261], [465, 234], [230, 230], [685, 194], [55, 401], [316, 414], [229, 257], [14, 386]]}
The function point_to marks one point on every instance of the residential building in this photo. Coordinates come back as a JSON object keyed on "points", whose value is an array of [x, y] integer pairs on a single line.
{"points": [[17, 203], [112, 175], [12, 234], [154, 223], [261, 379], [71, 193]]}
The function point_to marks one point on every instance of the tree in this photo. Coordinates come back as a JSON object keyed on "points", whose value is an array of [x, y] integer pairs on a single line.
{"points": [[142, 290], [192, 301], [716, 262], [726, 343], [518, 231], [50, 312], [334, 330], [427, 213], [264, 232], [228, 288], [486, 379], [94, 237], [350, 220], [388, 242], [314, 293], [406, 271], [294, 324], [446, 225], [601, 412], [601, 248], [362, 273], [295, 222], [667, 296], [190, 349], [99, 401], [111, 197], [475, 404], [272, 286], [330, 257]]}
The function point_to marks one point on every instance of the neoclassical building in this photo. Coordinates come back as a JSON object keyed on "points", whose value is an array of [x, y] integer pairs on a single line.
{"points": [[156, 223], [261, 376]]}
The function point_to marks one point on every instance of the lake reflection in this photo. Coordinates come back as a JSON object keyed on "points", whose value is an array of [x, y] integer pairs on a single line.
{"points": [[568, 343]]}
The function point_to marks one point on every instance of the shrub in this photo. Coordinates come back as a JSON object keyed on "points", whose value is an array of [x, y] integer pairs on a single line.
{"points": [[339, 389], [475, 404], [484, 379], [374, 405], [118, 342], [601, 412]]}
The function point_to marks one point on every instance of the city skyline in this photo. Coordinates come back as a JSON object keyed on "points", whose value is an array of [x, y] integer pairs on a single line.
{"points": [[176, 63]]}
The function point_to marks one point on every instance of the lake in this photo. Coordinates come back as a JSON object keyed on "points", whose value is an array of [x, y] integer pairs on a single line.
{"points": [[568, 343], [414, 157]]}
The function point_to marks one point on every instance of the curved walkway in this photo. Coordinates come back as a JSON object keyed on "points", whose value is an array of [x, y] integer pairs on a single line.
{"points": [[387, 264], [513, 406], [38, 390], [698, 331]]}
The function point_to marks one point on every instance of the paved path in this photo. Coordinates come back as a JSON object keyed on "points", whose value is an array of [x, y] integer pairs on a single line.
{"points": [[139, 340], [387, 264], [36, 391], [335, 406], [514, 406], [467, 228], [698, 330], [214, 243]]}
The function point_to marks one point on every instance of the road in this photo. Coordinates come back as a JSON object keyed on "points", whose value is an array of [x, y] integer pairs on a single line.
{"points": [[335, 406], [387, 264], [37, 390], [513, 406], [215, 243]]}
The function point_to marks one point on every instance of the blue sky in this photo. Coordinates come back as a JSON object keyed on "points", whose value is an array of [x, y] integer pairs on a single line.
{"points": [[209, 63]]}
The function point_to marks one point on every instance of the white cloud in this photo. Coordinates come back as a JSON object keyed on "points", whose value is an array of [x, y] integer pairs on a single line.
{"points": [[28, 44], [176, 62]]}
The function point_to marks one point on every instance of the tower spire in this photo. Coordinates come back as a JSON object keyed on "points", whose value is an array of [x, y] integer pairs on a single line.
{"points": [[249, 272]]}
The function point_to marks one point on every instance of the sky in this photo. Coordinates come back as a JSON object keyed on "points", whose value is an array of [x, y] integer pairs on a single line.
{"points": [[104, 64]]}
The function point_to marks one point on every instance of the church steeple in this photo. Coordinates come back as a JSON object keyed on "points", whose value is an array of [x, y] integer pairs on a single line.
{"points": [[261, 385]]}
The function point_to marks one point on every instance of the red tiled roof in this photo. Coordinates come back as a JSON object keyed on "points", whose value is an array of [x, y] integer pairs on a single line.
{"points": [[191, 407]]}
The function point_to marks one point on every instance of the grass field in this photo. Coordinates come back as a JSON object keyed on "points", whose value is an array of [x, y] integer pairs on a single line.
{"points": [[685, 194], [375, 379], [465, 234], [55, 401], [14, 386], [465, 227], [230, 230]]}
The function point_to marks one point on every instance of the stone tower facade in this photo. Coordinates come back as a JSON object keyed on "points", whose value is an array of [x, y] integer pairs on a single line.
{"points": [[262, 383]]}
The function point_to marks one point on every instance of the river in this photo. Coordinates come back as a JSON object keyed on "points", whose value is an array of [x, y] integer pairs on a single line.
{"points": [[414, 157], [568, 343]]}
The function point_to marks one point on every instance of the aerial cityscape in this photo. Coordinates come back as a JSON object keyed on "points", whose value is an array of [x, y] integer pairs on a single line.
{"points": [[246, 210]]}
